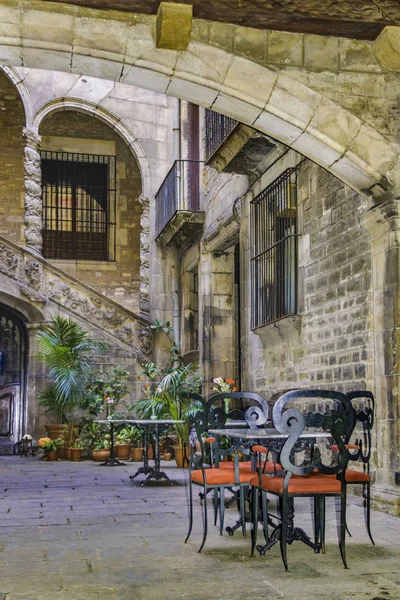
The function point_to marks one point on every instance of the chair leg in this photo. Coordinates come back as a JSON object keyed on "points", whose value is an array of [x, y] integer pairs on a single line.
{"points": [[264, 505], [190, 511], [317, 519], [221, 509], [284, 524], [254, 518], [322, 523], [205, 521], [242, 508], [368, 512], [215, 504], [342, 541]]}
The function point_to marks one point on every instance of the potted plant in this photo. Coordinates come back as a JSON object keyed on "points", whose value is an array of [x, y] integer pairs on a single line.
{"points": [[101, 451], [106, 391], [136, 440], [172, 399], [50, 448], [123, 444], [77, 450], [65, 349]]}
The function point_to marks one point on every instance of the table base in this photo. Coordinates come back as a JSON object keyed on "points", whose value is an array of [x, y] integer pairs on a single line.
{"points": [[112, 462], [151, 473]]}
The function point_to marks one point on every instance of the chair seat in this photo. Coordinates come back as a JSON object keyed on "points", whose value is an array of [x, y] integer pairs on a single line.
{"points": [[299, 485], [335, 447], [218, 476], [270, 467], [352, 477]]}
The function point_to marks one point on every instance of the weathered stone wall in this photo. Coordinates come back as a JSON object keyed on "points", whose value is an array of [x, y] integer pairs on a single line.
{"points": [[119, 280], [331, 343], [12, 120]]}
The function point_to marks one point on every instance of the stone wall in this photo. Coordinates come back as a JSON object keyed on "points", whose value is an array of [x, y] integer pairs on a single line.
{"points": [[330, 344], [12, 120], [118, 280]]}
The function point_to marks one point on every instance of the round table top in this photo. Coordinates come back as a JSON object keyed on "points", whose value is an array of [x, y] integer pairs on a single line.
{"points": [[140, 421]]}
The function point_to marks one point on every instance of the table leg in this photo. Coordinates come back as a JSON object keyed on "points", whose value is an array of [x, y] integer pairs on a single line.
{"points": [[146, 467], [112, 461], [156, 473], [293, 534]]}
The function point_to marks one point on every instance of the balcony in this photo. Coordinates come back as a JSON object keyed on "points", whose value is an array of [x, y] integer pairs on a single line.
{"points": [[232, 147], [179, 220]]}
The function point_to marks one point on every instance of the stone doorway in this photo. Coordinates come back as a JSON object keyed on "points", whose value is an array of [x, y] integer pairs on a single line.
{"points": [[13, 358]]}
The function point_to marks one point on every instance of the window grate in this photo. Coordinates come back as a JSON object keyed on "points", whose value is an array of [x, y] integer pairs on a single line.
{"points": [[274, 235], [79, 206], [218, 127]]}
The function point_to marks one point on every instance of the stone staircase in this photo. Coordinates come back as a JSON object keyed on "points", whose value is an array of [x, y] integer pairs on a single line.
{"points": [[29, 277]]}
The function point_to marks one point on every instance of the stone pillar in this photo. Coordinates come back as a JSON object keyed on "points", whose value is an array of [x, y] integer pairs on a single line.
{"points": [[33, 191], [35, 382], [144, 301], [383, 225]]}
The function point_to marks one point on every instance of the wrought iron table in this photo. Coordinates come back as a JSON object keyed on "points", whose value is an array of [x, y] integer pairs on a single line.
{"points": [[274, 441], [151, 472]]}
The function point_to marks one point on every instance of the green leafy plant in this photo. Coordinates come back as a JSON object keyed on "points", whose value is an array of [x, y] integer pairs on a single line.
{"points": [[106, 390], [52, 445], [65, 349], [93, 435], [79, 443]]}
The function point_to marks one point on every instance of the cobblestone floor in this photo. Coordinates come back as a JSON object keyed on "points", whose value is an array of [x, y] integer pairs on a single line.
{"points": [[81, 532]]}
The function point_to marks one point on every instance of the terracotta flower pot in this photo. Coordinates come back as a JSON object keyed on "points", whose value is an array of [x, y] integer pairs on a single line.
{"points": [[52, 455], [101, 455], [68, 453], [123, 451], [137, 454], [167, 455], [54, 430], [181, 456], [76, 454], [150, 452]]}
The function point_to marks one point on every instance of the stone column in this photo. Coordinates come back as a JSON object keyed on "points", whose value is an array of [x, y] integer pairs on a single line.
{"points": [[35, 382], [33, 191], [144, 302], [383, 225]]}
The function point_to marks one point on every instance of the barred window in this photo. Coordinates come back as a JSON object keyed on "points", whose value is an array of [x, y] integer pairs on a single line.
{"points": [[78, 206], [274, 250], [218, 128]]}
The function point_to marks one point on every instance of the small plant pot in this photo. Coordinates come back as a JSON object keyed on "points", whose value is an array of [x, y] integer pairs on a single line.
{"points": [[181, 456], [150, 452], [76, 454], [137, 454], [123, 451], [61, 452], [101, 455], [167, 455], [68, 453], [52, 455]]}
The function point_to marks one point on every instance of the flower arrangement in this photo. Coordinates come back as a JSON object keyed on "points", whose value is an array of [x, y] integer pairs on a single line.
{"points": [[222, 385]]}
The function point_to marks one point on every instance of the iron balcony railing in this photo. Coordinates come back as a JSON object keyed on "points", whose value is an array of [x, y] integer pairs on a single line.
{"points": [[218, 127], [180, 191]]}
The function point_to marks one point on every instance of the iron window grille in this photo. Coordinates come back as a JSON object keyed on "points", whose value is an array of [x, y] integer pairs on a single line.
{"points": [[218, 128], [79, 206], [273, 216]]}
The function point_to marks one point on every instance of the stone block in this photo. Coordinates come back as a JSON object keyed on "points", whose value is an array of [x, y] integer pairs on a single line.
{"points": [[386, 48], [200, 30], [321, 52], [357, 55], [173, 25], [285, 48], [240, 78], [221, 35], [250, 43]]}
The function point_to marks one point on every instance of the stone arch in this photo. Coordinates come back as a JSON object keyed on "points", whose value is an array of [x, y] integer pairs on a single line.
{"points": [[79, 105], [122, 48], [18, 83]]}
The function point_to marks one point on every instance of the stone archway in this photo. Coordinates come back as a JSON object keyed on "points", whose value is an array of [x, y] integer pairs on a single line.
{"points": [[122, 48]]}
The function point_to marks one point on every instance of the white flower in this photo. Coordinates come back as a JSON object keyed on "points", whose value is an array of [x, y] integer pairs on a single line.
{"points": [[27, 437], [159, 390], [110, 401]]}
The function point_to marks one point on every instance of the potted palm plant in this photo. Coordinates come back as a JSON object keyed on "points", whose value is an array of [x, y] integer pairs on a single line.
{"points": [[123, 443], [65, 349], [172, 399]]}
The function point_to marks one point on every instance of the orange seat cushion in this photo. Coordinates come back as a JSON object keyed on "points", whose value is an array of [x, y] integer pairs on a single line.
{"points": [[246, 466], [335, 447], [299, 485], [221, 476], [356, 477]]}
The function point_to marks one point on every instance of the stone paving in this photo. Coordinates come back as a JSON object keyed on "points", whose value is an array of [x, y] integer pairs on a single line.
{"points": [[79, 531]]}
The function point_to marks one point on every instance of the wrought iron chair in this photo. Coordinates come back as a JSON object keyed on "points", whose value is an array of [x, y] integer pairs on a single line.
{"points": [[207, 467], [358, 442], [331, 416]]}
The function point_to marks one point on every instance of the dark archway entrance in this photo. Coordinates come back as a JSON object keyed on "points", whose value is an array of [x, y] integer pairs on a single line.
{"points": [[13, 360]]}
